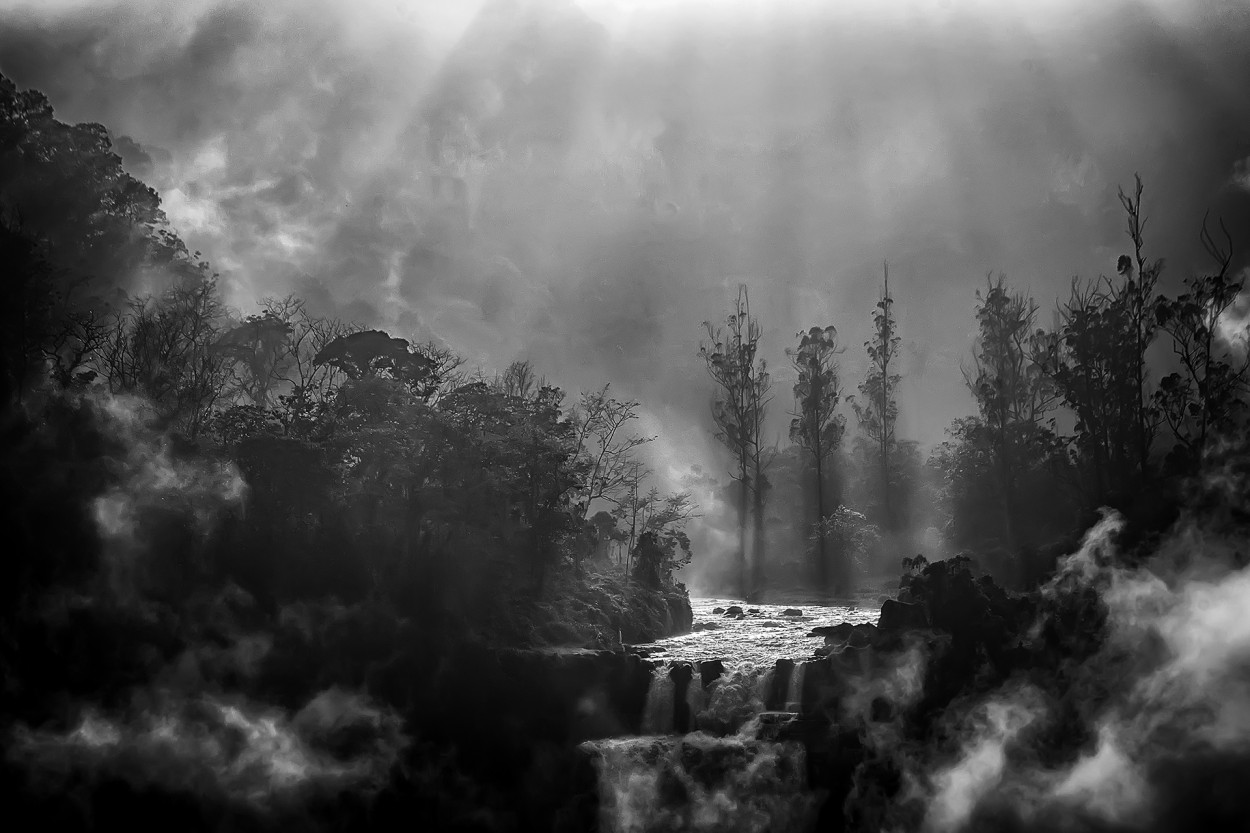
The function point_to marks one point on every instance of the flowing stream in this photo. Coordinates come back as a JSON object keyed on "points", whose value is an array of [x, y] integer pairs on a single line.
{"points": [[764, 634]]}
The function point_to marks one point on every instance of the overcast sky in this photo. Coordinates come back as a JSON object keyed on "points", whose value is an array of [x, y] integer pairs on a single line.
{"points": [[625, 164]]}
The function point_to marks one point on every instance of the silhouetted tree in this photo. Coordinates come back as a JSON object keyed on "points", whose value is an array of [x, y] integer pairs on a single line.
{"points": [[1206, 397], [742, 396], [877, 410], [817, 426], [1013, 393], [1092, 360], [164, 348], [1137, 298]]}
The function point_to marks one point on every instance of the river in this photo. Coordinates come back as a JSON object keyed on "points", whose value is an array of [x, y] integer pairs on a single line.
{"points": [[765, 633]]}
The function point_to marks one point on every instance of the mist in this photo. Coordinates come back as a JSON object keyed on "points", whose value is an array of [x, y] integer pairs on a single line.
{"points": [[627, 164], [625, 415]]}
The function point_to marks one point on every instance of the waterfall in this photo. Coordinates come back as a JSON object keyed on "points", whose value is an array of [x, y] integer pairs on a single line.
{"points": [[701, 783], [794, 691], [657, 714], [696, 697], [735, 697]]}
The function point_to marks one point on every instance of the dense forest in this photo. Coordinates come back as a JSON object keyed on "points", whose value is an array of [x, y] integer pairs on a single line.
{"points": [[279, 507], [321, 556]]}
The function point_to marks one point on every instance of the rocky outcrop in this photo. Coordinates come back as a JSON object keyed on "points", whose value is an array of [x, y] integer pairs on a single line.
{"points": [[841, 631], [900, 616], [681, 615], [710, 669]]}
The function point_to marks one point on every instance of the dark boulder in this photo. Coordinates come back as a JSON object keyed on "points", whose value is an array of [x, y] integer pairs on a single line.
{"points": [[733, 610], [710, 669], [718, 610], [775, 697], [682, 675], [791, 611], [900, 616], [862, 636], [835, 634], [680, 614]]}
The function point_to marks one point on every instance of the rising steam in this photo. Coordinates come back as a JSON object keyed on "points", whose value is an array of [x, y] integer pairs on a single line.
{"points": [[1167, 691]]}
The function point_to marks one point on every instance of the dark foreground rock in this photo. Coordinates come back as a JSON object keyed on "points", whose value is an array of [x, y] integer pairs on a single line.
{"points": [[900, 616]]}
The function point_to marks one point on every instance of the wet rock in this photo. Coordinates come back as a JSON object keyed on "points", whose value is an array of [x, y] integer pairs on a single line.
{"points": [[823, 687], [834, 634], [706, 626], [753, 611], [900, 616], [775, 698], [776, 725], [545, 686], [850, 662], [733, 610], [710, 669], [792, 611], [681, 674], [862, 636], [680, 614], [740, 616], [718, 610]]}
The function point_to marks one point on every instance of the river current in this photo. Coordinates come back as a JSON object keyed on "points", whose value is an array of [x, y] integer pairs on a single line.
{"points": [[764, 634]]}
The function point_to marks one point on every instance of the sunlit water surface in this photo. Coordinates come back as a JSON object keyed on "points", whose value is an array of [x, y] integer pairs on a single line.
{"points": [[763, 637]]}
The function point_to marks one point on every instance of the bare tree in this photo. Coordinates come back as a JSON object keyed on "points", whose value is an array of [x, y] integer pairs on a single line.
{"points": [[1207, 395], [164, 348], [1137, 298], [606, 447]]}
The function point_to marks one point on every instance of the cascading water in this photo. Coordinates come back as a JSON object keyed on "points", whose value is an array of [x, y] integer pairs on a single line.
{"points": [[718, 751], [698, 782], [735, 697], [657, 714], [722, 775], [794, 688], [696, 699]]}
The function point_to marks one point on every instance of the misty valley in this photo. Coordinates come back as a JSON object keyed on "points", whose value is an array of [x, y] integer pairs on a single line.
{"points": [[591, 415]]}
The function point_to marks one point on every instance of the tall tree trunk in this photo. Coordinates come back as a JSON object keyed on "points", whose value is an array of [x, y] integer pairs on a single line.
{"points": [[822, 562], [744, 586], [757, 560], [886, 521]]}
